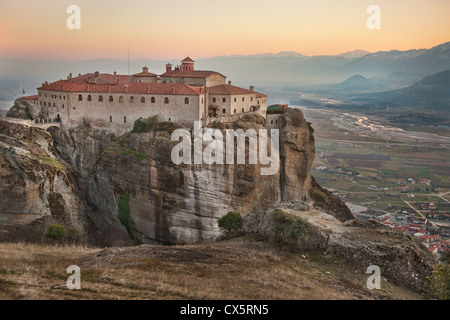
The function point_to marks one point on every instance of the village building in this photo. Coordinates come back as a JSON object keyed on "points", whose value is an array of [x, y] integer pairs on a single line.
{"points": [[114, 102]]}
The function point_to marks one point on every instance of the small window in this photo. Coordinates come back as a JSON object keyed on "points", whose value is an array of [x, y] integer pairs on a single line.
{"points": [[64, 97], [89, 98], [243, 99], [142, 99], [235, 99], [202, 100], [45, 104], [224, 99], [110, 118], [111, 99], [60, 97], [271, 122], [80, 97], [224, 110], [124, 119], [251, 99], [121, 99], [186, 100], [63, 106], [152, 100], [132, 99], [100, 98], [242, 109], [234, 110], [214, 99], [54, 105], [166, 100]]}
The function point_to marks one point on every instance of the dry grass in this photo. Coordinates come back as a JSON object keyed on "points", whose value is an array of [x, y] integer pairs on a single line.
{"points": [[236, 269]]}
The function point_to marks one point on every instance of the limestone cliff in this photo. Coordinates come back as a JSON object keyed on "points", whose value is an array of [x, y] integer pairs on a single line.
{"points": [[35, 184], [136, 187], [23, 109]]}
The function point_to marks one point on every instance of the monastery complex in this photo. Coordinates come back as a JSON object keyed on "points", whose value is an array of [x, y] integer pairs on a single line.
{"points": [[114, 102]]}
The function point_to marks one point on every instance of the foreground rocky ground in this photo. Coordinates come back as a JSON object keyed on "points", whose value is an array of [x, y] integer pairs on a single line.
{"points": [[241, 268]]}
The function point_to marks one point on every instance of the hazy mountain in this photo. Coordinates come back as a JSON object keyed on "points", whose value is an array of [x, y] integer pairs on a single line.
{"points": [[398, 79], [432, 92], [426, 61], [354, 54]]}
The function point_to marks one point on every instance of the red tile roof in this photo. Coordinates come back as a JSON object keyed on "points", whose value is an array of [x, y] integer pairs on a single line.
{"points": [[125, 85], [187, 59], [228, 89], [35, 97], [145, 74], [191, 74]]}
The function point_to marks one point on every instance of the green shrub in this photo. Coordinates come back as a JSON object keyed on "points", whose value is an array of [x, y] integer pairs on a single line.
{"points": [[153, 124], [311, 129], [231, 222], [124, 214], [289, 230], [56, 231]]}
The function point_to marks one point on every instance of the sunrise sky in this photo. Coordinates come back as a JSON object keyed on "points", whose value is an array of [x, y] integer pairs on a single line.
{"points": [[204, 28]]}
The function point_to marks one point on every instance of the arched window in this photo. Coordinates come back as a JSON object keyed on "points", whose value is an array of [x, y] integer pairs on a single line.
{"points": [[224, 99], [166, 100], [100, 98], [234, 99], [111, 99], [234, 110], [214, 99], [121, 99], [224, 110], [80, 97], [153, 100], [142, 99], [186, 100], [89, 98], [132, 99]]}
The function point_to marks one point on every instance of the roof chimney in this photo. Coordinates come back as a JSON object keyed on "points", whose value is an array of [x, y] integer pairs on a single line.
{"points": [[229, 82], [79, 74], [87, 88], [252, 88], [109, 88], [145, 69], [96, 74], [168, 68], [173, 90], [148, 90], [115, 73], [126, 89], [70, 75]]}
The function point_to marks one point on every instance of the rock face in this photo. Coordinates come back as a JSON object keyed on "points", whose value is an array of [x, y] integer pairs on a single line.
{"points": [[23, 109], [35, 182], [135, 186], [402, 259]]}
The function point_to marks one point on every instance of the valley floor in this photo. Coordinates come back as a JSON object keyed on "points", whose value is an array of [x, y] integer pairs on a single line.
{"points": [[241, 268]]}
